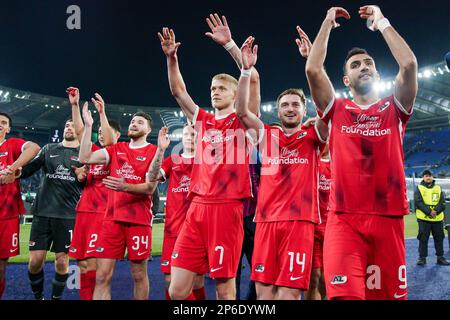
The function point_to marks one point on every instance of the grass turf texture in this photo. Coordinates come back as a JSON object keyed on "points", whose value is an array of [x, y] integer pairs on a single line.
{"points": [[157, 239]]}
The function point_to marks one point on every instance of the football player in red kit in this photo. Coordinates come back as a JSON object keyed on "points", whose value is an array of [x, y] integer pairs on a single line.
{"points": [[128, 218], [364, 247], [284, 236], [14, 153]]}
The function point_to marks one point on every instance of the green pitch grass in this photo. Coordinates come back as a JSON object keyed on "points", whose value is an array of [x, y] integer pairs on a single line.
{"points": [[157, 238]]}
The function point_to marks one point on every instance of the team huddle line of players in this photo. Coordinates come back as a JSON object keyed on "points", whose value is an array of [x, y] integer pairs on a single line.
{"points": [[328, 200]]}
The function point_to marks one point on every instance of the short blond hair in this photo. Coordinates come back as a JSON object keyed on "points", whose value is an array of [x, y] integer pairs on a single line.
{"points": [[298, 92], [226, 77]]}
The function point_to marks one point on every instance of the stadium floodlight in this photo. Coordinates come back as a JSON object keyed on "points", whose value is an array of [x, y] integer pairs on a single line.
{"points": [[350, 94], [440, 70], [427, 73], [6, 95], [46, 105], [175, 113], [57, 107], [124, 114], [420, 75], [337, 94], [388, 85], [345, 95], [269, 107], [1, 92]]}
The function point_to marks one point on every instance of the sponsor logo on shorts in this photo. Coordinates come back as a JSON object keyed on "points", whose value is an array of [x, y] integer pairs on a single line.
{"points": [[74, 158], [100, 249], [141, 253], [67, 246], [301, 135], [259, 268], [292, 278], [90, 251], [12, 250], [54, 155], [215, 269], [339, 279], [398, 296], [31, 243], [174, 255], [3, 154], [141, 158], [165, 263], [73, 250]]}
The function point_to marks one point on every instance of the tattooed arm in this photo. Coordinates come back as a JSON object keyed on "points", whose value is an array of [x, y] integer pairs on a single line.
{"points": [[152, 176]]}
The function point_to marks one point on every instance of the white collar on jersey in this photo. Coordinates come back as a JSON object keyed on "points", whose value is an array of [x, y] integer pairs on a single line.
{"points": [[132, 146], [366, 106], [222, 116], [187, 156]]}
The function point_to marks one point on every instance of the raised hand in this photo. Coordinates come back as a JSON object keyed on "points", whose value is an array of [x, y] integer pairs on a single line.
{"points": [[98, 103], [310, 122], [168, 44], [304, 44], [87, 116], [373, 14], [74, 95], [337, 12], [163, 139], [220, 32], [249, 53]]}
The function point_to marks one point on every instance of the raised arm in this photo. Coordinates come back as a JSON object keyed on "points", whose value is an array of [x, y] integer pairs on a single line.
{"points": [[406, 81], [176, 82], [86, 155], [107, 131], [322, 90], [221, 34], [74, 98], [250, 121], [152, 176]]}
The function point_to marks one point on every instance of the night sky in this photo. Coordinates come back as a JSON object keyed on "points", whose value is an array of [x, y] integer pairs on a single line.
{"points": [[118, 54]]}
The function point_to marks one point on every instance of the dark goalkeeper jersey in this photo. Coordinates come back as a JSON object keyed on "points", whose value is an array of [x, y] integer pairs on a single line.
{"points": [[59, 190]]}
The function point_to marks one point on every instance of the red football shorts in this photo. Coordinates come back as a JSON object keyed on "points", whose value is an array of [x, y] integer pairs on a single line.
{"points": [[166, 255], [211, 239], [117, 236], [85, 235], [364, 257], [319, 234], [9, 238], [283, 252]]}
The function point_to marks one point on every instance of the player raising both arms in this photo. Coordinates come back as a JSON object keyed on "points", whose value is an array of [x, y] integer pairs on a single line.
{"points": [[92, 205], [211, 237], [287, 207], [364, 247]]}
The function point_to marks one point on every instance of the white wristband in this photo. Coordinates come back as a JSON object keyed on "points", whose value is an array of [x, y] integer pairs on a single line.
{"points": [[382, 24], [229, 45], [246, 73]]}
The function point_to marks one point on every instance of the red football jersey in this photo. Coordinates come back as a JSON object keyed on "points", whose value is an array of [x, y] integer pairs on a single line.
{"points": [[324, 188], [367, 157], [177, 169], [221, 163], [289, 176], [11, 204], [95, 195], [132, 164]]}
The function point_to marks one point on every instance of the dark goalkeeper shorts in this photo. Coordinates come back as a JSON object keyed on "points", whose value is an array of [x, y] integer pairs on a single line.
{"points": [[52, 234]]}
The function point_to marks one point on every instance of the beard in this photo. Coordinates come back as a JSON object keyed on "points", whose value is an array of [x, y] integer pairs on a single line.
{"points": [[362, 87], [69, 137], [135, 135], [290, 125]]}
